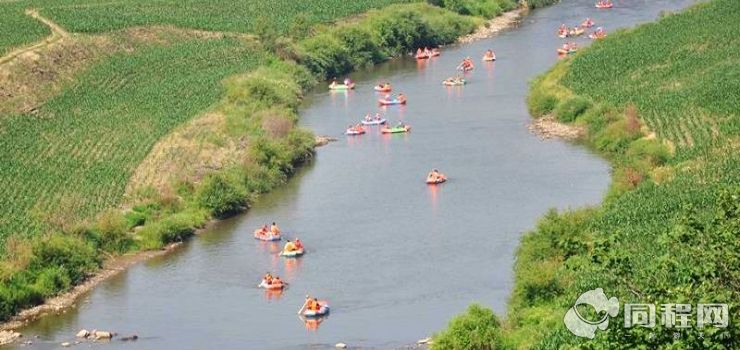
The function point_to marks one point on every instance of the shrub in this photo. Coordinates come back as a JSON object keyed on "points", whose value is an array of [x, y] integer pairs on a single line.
{"points": [[476, 329], [77, 257], [112, 231], [572, 108], [222, 196], [51, 281], [651, 150], [541, 103]]}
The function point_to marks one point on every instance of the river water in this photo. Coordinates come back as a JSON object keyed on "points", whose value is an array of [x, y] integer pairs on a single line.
{"points": [[395, 258]]}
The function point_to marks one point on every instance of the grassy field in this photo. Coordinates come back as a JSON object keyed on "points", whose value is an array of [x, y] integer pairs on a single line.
{"points": [[79, 150], [662, 103], [17, 28], [97, 16]]}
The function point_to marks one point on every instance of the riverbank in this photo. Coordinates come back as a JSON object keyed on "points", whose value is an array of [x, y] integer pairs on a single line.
{"points": [[672, 209]]}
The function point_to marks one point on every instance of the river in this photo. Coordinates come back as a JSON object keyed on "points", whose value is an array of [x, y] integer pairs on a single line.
{"points": [[395, 258]]}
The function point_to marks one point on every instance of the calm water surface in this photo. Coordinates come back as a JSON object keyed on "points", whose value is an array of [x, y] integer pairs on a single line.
{"points": [[395, 258]]}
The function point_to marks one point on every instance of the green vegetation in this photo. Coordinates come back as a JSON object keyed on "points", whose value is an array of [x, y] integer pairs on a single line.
{"points": [[79, 150], [481, 8], [95, 16], [17, 28], [476, 329], [382, 34], [662, 103], [70, 161]]}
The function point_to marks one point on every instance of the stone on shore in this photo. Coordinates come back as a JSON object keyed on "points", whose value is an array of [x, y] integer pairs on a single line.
{"points": [[7, 337], [427, 340]]}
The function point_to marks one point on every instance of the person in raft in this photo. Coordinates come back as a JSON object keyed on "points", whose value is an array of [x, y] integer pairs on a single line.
{"points": [[274, 229], [333, 82], [289, 247], [368, 117], [263, 230], [490, 55], [401, 98], [268, 278], [298, 244], [347, 81], [427, 52], [434, 175], [377, 116], [419, 53]]}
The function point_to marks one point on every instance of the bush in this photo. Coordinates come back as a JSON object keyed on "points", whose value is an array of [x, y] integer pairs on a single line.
{"points": [[650, 150], [541, 103], [51, 281], [476, 329], [221, 196], [572, 108], [112, 232], [77, 257]]}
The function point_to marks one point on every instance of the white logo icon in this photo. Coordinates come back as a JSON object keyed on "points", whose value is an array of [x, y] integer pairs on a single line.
{"points": [[583, 327]]}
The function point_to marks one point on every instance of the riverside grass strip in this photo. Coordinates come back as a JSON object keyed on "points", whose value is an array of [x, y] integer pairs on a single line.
{"points": [[80, 148], [667, 232]]}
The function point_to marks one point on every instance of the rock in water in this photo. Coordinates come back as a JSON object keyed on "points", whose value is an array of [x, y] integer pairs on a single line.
{"points": [[7, 337], [341, 346], [130, 338], [66, 344], [102, 335], [83, 333]]}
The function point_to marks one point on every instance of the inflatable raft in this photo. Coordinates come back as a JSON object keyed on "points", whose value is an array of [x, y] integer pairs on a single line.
{"points": [[604, 6], [268, 237], [386, 88], [489, 58], [342, 87], [396, 130], [271, 286], [439, 180], [355, 131], [576, 31], [454, 83], [395, 101], [374, 122], [293, 254], [322, 311]]}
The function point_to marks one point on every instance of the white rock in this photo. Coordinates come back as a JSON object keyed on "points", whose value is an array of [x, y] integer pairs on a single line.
{"points": [[83, 333], [427, 340], [102, 334], [66, 344], [341, 346]]}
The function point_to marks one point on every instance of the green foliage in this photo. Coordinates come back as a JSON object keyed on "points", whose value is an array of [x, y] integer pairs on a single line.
{"points": [[17, 28], [392, 31], [83, 145], [482, 8], [476, 329], [572, 108], [664, 97], [221, 195]]}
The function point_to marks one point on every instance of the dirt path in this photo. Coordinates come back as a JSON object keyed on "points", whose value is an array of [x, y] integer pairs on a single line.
{"points": [[57, 33]]}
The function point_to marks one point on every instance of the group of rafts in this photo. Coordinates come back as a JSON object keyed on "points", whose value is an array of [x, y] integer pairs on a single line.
{"points": [[400, 99], [565, 32], [312, 307]]}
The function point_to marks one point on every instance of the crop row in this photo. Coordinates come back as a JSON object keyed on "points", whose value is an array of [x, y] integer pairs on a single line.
{"points": [[78, 152]]}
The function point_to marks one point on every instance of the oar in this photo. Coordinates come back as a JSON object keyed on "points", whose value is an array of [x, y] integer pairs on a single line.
{"points": [[305, 303]]}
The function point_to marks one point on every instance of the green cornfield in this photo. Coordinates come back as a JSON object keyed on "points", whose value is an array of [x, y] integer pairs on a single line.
{"points": [[96, 16], [669, 234], [80, 148]]}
